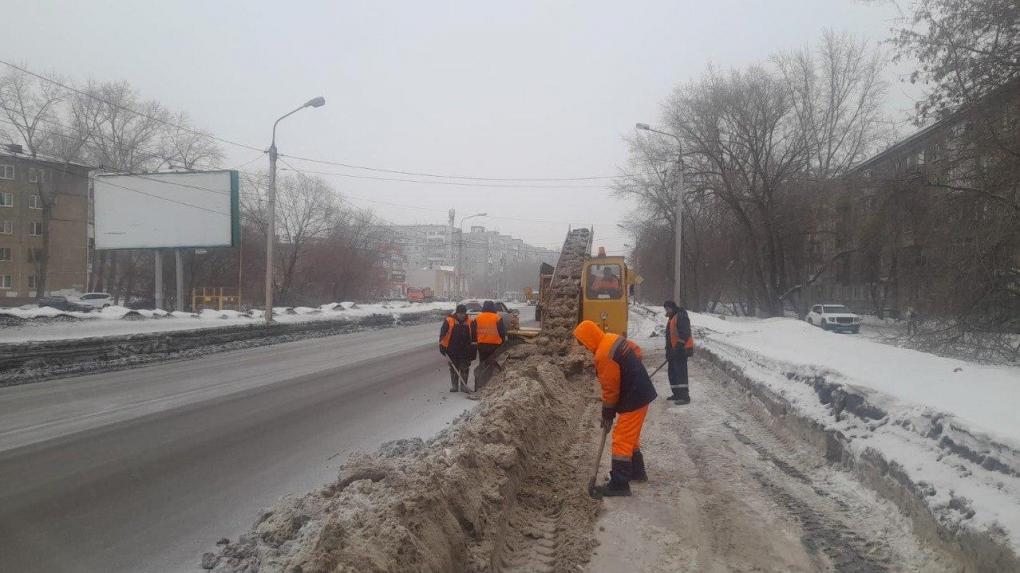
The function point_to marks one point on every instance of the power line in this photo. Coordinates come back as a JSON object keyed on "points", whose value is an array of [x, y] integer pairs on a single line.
{"points": [[308, 159], [419, 208], [467, 177], [451, 183], [128, 109]]}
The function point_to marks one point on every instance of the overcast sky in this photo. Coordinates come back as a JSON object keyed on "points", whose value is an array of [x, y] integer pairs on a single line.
{"points": [[487, 89]]}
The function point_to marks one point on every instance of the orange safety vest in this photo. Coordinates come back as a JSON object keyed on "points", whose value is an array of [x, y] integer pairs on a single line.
{"points": [[488, 329], [674, 334], [607, 284], [452, 322]]}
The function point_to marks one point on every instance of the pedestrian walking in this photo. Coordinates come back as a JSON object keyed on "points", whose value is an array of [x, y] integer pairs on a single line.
{"points": [[458, 344], [679, 347], [626, 393]]}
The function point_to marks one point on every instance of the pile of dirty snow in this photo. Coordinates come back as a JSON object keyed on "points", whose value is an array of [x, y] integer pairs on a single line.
{"points": [[466, 499]]}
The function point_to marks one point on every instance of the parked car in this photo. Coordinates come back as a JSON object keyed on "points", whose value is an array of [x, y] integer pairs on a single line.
{"points": [[62, 303], [834, 317], [95, 299], [511, 317]]}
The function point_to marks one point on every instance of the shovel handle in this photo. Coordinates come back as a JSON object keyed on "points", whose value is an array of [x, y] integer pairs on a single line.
{"points": [[460, 379], [598, 460]]}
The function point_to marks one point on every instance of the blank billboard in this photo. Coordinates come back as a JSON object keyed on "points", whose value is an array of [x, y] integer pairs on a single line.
{"points": [[167, 210]]}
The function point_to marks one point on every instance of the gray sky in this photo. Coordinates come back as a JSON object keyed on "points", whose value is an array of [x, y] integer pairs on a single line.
{"points": [[510, 89]]}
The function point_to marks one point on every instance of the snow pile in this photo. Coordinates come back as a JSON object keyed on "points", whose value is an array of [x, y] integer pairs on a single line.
{"points": [[945, 429], [471, 497], [36, 324]]}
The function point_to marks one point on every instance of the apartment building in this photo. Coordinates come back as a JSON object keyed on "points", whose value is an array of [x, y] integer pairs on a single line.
{"points": [[28, 242]]}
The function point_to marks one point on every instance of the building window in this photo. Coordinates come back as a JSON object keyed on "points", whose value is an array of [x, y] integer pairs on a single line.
{"points": [[34, 202], [31, 281], [6, 199], [5, 254], [6, 281], [37, 175], [6, 227], [35, 229], [7, 172]]}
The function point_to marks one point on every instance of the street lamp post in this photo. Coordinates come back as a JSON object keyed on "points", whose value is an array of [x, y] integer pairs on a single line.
{"points": [[271, 230], [460, 254], [677, 296]]}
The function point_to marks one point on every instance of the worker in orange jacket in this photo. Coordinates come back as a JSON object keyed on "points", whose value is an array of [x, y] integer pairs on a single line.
{"points": [[626, 392], [490, 333], [457, 343], [679, 347]]}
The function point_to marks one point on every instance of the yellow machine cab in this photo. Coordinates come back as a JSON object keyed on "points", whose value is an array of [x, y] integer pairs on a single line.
{"points": [[605, 282]]}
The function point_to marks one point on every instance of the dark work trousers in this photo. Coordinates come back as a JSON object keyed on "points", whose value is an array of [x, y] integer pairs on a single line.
{"points": [[485, 369], [464, 367], [678, 382]]}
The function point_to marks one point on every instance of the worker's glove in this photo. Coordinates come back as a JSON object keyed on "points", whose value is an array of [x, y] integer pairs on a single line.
{"points": [[442, 350], [689, 351], [607, 417]]}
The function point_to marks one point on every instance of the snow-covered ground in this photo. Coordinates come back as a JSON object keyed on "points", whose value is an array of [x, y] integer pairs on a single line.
{"points": [[47, 323], [951, 425]]}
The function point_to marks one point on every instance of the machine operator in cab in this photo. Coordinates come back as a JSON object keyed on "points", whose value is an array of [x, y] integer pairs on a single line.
{"points": [[608, 284]]}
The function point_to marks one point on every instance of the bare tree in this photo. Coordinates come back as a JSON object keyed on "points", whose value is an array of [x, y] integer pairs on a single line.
{"points": [[966, 48], [128, 131], [187, 147]]}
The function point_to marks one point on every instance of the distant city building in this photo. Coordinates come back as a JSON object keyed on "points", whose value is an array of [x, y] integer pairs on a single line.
{"points": [[25, 183], [487, 255]]}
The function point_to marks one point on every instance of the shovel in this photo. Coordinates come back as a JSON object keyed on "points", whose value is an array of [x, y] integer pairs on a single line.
{"points": [[598, 462], [460, 379], [656, 371]]}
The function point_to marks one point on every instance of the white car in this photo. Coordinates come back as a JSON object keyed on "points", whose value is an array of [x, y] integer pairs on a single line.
{"points": [[834, 317], [95, 299]]}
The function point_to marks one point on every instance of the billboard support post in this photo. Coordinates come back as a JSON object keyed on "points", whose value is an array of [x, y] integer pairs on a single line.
{"points": [[158, 258], [179, 275]]}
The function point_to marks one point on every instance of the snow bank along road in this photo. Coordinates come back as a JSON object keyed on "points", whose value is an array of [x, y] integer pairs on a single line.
{"points": [[138, 470]]}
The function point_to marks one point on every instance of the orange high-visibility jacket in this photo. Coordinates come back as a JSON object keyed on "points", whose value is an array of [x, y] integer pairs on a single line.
{"points": [[625, 383], [679, 332], [490, 328], [451, 322], [606, 284]]}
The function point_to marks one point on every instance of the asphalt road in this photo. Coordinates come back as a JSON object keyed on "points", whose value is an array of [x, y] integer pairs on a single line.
{"points": [[144, 469]]}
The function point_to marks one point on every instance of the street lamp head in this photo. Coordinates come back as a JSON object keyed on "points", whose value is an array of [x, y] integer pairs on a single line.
{"points": [[643, 126], [316, 102]]}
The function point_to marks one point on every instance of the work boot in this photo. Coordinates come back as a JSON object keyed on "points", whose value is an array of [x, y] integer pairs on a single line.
{"points": [[637, 466], [619, 480], [683, 400]]}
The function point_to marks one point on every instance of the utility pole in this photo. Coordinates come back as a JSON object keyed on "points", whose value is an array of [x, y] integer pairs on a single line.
{"points": [[678, 224], [271, 225], [460, 253]]}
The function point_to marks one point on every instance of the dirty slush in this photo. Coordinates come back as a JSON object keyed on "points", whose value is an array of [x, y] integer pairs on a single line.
{"points": [[502, 489]]}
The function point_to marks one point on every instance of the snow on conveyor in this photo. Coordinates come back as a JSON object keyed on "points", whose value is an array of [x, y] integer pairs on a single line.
{"points": [[951, 425]]}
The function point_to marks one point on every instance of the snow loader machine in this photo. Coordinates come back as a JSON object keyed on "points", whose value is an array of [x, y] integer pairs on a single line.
{"points": [[581, 287]]}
